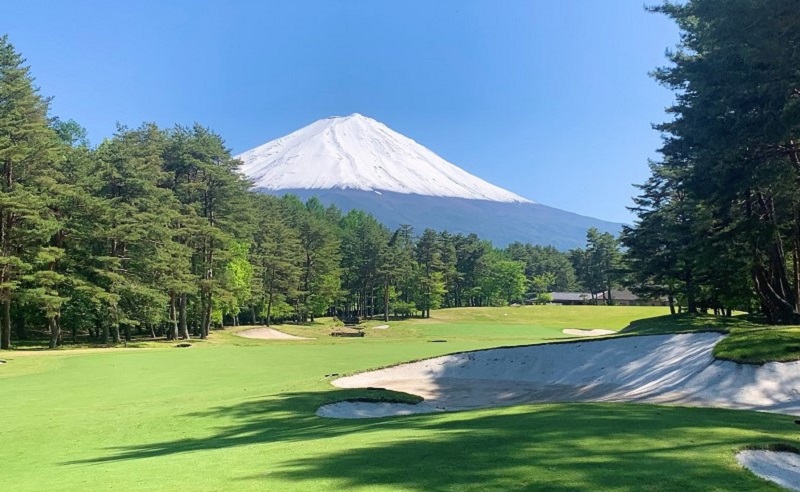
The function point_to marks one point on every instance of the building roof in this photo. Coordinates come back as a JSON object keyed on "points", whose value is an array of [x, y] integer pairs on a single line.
{"points": [[570, 296], [619, 295]]}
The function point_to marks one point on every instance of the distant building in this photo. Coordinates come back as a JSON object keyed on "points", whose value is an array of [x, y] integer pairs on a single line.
{"points": [[571, 298], [624, 297], [621, 297]]}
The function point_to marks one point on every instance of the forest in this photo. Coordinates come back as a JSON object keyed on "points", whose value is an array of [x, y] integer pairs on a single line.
{"points": [[153, 232]]}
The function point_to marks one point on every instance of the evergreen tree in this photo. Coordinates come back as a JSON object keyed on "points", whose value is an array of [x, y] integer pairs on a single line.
{"points": [[276, 256], [364, 256], [733, 143], [28, 159], [431, 286]]}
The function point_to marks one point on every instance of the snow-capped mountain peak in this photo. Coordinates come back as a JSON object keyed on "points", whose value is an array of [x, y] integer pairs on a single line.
{"points": [[360, 153]]}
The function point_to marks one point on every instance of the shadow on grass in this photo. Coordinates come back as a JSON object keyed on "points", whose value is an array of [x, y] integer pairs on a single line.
{"points": [[588, 447], [688, 323], [554, 447], [284, 417]]}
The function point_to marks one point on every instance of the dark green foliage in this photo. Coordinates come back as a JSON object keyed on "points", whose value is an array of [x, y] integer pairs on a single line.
{"points": [[719, 219], [29, 164], [545, 261]]}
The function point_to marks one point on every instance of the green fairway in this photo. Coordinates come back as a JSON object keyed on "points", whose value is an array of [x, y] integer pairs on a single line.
{"points": [[237, 414], [521, 324]]}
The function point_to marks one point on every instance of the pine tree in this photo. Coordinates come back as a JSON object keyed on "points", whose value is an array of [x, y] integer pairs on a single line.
{"points": [[364, 257], [205, 180], [734, 134], [276, 256], [320, 281], [431, 281], [28, 161]]}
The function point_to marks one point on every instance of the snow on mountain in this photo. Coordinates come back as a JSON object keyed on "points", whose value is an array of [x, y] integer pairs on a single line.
{"points": [[358, 153]]}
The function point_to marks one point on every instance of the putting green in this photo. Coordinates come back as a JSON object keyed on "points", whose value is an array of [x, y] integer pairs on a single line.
{"points": [[238, 414]]}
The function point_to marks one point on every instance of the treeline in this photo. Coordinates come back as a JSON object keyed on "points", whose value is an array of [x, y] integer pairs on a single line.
{"points": [[154, 232], [719, 218]]}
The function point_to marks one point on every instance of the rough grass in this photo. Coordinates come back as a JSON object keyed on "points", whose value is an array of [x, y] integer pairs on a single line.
{"points": [[749, 340], [238, 414]]}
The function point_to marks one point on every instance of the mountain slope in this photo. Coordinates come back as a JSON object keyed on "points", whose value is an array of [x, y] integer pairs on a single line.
{"points": [[501, 222], [359, 153], [355, 162]]}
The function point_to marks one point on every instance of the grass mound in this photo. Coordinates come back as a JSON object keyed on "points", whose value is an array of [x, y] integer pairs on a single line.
{"points": [[749, 340]]}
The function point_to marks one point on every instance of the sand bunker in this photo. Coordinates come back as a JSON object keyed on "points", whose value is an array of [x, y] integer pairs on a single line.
{"points": [[664, 369], [576, 332], [783, 468], [381, 327], [269, 334]]}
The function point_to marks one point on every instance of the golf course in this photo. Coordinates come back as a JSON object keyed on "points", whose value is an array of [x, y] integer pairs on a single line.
{"points": [[235, 413]]}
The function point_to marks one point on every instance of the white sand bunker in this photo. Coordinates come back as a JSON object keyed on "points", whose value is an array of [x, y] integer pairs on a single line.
{"points": [[269, 334], [665, 369], [576, 332], [369, 410], [781, 467], [381, 327]]}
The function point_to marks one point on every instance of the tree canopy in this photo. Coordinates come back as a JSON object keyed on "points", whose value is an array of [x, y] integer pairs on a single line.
{"points": [[719, 218]]}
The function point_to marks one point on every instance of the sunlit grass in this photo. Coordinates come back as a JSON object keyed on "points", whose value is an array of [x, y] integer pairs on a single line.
{"points": [[749, 340], [238, 414]]}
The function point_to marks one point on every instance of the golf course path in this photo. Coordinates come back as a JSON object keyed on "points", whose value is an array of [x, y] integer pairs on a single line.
{"points": [[269, 334], [781, 467], [577, 332], [662, 369]]}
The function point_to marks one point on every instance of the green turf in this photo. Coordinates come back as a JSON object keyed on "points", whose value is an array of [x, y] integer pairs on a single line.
{"points": [[518, 323], [749, 340], [236, 414]]}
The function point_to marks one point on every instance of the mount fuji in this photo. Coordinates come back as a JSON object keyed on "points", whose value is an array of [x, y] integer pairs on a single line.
{"points": [[356, 162]]}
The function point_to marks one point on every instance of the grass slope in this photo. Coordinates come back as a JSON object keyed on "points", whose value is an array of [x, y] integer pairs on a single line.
{"points": [[749, 341], [238, 414]]}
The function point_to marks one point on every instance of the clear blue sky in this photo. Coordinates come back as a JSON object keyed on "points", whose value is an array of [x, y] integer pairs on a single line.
{"points": [[550, 99]]}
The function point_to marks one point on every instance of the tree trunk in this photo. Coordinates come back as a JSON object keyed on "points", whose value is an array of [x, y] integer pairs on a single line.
{"points": [[691, 300], [172, 333], [796, 271], [371, 302], [206, 317], [771, 278], [55, 331], [386, 300], [269, 303], [115, 333], [5, 329], [183, 326], [203, 315]]}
